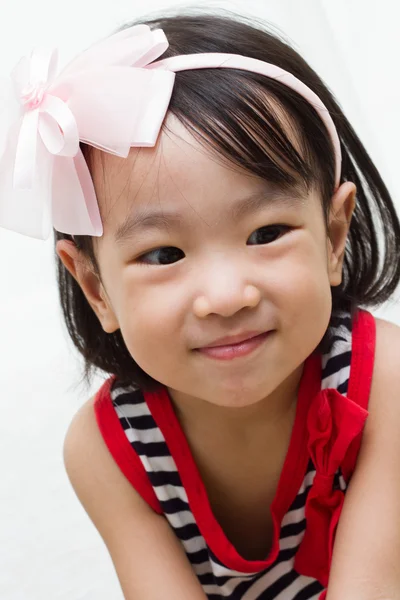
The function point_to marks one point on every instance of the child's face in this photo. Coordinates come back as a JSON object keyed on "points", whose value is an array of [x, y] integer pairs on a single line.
{"points": [[224, 275]]}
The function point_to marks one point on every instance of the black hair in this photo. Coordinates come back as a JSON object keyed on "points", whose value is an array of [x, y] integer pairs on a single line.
{"points": [[229, 111]]}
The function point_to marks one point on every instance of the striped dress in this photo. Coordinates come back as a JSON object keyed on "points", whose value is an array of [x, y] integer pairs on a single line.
{"points": [[145, 439]]}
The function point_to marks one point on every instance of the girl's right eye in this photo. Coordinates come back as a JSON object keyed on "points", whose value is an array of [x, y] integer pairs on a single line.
{"points": [[166, 255]]}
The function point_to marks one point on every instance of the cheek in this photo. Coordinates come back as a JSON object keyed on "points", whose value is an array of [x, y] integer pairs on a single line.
{"points": [[151, 319], [310, 302], [302, 296]]}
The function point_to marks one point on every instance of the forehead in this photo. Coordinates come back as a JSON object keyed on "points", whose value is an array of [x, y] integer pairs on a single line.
{"points": [[178, 173]]}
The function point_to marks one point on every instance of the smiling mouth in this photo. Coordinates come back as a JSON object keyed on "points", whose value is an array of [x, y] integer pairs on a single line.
{"points": [[234, 350]]}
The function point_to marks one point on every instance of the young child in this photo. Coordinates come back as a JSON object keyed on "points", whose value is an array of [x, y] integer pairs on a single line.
{"points": [[218, 232]]}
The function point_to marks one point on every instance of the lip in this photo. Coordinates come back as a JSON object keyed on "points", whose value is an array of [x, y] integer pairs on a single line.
{"points": [[239, 345], [229, 340]]}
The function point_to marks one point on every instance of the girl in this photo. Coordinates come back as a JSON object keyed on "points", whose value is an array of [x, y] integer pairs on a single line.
{"points": [[245, 445]]}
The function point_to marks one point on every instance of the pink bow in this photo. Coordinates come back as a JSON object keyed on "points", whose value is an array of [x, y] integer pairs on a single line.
{"points": [[103, 97]]}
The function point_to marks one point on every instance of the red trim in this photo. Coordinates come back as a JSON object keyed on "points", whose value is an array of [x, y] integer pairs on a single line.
{"points": [[361, 371], [119, 446], [290, 481]]}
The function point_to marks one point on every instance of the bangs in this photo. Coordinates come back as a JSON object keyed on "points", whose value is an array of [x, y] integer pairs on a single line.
{"points": [[257, 124]]}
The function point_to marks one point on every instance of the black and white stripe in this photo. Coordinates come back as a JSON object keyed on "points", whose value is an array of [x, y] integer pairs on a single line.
{"points": [[278, 582]]}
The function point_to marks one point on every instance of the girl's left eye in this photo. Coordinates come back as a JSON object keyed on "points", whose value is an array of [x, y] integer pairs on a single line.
{"points": [[269, 233]]}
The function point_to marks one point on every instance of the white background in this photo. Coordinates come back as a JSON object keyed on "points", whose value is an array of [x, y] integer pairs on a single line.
{"points": [[48, 547]]}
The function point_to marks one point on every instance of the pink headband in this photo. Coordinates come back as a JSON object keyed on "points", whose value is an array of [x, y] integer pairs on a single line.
{"points": [[110, 97]]}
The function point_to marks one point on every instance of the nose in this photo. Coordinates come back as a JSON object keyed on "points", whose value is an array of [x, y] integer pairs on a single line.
{"points": [[224, 291]]}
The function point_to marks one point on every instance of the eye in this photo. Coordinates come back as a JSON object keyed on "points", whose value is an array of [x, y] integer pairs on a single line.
{"points": [[268, 234], [165, 255]]}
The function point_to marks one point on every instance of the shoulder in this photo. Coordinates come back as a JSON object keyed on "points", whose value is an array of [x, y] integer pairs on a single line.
{"points": [[384, 404], [85, 448], [98, 482], [83, 432], [386, 373], [85, 453], [83, 436], [387, 331]]}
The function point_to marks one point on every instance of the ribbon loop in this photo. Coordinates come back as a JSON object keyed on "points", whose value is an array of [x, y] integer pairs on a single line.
{"points": [[58, 127]]}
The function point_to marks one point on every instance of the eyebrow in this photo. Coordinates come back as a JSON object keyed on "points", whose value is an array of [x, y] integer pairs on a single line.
{"points": [[145, 219]]}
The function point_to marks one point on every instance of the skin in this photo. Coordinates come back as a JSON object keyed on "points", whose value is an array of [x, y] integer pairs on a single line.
{"points": [[225, 282]]}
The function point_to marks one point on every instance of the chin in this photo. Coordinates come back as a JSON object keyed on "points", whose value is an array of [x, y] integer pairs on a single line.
{"points": [[238, 396]]}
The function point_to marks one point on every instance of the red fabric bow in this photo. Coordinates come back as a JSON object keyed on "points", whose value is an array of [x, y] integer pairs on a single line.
{"points": [[333, 422]]}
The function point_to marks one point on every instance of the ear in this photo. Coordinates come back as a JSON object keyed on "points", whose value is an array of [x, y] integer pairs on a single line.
{"points": [[81, 270], [341, 211]]}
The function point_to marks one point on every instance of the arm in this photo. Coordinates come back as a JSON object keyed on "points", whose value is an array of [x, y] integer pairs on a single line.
{"points": [[366, 557], [148, 558]]}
